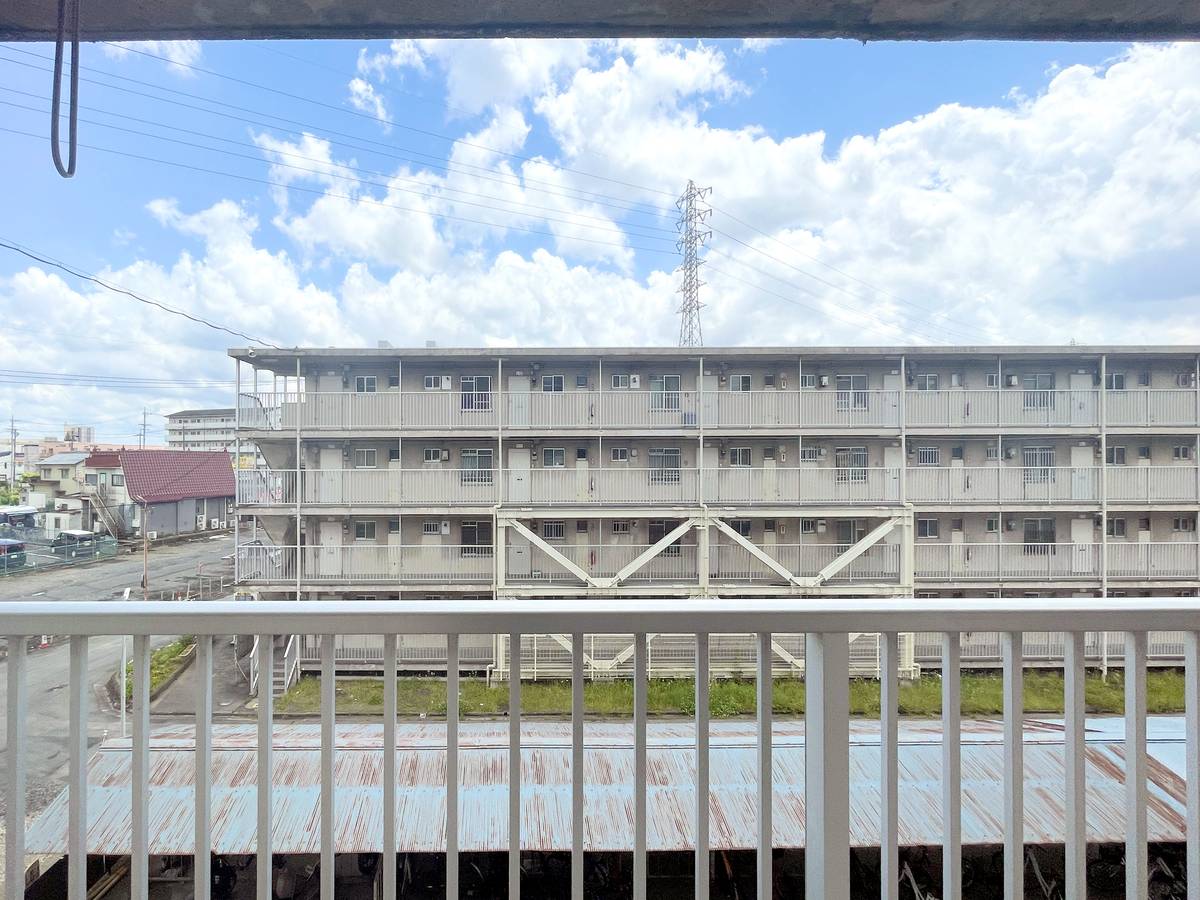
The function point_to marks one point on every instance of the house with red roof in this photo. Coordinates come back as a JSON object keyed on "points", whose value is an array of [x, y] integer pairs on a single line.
{"points": [[167, 492]]}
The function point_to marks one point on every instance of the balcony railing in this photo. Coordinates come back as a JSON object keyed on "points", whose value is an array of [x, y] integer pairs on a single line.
{"points": [[1180, 407], [1153, 484], [997, 484], [1056, 562], [833, 791]]}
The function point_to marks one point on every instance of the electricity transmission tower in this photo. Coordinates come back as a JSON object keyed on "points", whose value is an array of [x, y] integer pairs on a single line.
{"points": [[693, 213]]}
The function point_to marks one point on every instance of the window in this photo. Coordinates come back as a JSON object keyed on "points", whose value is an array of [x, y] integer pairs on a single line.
{"points": [[435, 382], [1183, 523], [64, 473], [739, 382], [1115, 456], [739, 456], [552, 384], [1182, 451], [1038, 534], [622, 526], [927, 382], [433, 455], [808, 526], [851, 464], [553, 457], [810, 454], [619, 382], [929, 456], [477, 392], [659, 529], [927, 528], [956, 453], [393, 381], [1114, 381], [808, 381], [992, 526], [581, 382], [993, 379], [852, 392], [1143, 379], [768, 526], [91, 478], [619, 454], [365, 459], [1038, 464], [769, 381], [364, 531], [1185, 380], [1144, 523], [118, 480], [393, 454], [664, 392], [1143, 452], [476, 537], [477, 466], [431, 528], [664, 465], [1116, 528], [768, 453], [394, 525], [554, 530], [1038, 390], [364, 384], [993, 452], [850, 531], [741, 526], [581, 526]]}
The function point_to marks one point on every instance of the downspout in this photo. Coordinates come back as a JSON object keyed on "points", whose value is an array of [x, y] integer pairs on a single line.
{"points": [[299, 559], [237, 473], [1103, 475]]}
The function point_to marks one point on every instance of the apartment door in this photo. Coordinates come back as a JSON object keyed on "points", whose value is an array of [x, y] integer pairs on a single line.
{"points": [[329, 561], [893, 461], [1083, 403], [1083, 550], [327, 487], [1083, 474], [518, 475], [583, 478], [518, 401]]}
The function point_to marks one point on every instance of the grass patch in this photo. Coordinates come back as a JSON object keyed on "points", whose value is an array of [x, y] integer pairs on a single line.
{"points": [[981, 696], [164, 662]]}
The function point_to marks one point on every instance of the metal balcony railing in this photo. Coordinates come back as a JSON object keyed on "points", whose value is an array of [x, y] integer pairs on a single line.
{"points": [[830, 783], [1056, 562], [1003, 484]]}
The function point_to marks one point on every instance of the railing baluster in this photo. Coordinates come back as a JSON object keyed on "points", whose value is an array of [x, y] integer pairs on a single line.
{"points": [[452, 766], [265, 702], [1014, 772], [1136, 869], [139, 864], [889, 858], [826, 767], [951, 768], [1191, 648], [702, 867], [77, 812], [765, 784], [577, 711], [14, 831], [328, 751], [514, 766], [1075, 764], [202, 867], [640, 676], [389, 767]]}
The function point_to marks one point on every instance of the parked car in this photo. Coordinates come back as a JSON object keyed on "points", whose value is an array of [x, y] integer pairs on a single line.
{"points": [[74, 543], [12, 554]]}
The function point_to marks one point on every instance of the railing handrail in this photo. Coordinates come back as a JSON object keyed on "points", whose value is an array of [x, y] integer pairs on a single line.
{"points": [[600, 616]]}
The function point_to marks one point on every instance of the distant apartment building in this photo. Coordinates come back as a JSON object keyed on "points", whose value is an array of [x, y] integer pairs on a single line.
{"points": [[732, 471], [200, 429]]}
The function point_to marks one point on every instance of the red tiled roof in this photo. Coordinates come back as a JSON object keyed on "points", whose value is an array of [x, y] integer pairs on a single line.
{"points": [[163, 476], [103, 459]]}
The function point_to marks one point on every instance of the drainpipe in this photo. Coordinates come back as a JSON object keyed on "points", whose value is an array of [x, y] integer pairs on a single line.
{"points": [[237, 474], [299, 560], [1103, 475]]}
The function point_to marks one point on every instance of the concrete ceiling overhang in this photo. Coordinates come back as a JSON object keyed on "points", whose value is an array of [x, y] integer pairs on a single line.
{"points": [[34, 20]]}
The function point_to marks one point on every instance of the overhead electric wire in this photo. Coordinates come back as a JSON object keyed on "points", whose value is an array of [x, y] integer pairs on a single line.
{"points": [[369, 200], [258, 158], [378, 119], [442, 162], [92, 376], [117, 289]]}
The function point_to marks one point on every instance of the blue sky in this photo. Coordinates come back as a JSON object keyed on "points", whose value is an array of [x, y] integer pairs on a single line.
{"points": [[879, 193]]}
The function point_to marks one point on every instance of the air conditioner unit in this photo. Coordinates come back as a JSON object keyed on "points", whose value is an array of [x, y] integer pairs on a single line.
{"points": [[1010, 453], [821, 452], [214, 523], [199, 521], [445, 456], [152, 535], [823, 380], [1012, 380], [446, 382], [635, 381], [224, 524], [633, 452]]}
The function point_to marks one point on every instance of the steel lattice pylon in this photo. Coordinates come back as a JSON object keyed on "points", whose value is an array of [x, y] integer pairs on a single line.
{"points": [[693, 213]]}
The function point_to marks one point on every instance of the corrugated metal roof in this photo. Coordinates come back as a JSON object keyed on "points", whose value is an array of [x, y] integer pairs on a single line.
{"points": [[163, 476], [66, 458], [546, 786]]}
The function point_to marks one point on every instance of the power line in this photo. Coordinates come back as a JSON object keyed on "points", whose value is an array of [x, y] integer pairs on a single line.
{"points": [[117, 289], [441, 162], [369, 200], [194, 382]]}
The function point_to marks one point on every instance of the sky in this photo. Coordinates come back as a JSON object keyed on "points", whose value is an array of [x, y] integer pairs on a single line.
{"points": [[500, 193]]}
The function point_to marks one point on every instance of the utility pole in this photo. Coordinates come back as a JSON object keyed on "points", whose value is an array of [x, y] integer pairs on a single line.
{"points": [[145, 550], [693, 214], [12, 456], [142, 445]]}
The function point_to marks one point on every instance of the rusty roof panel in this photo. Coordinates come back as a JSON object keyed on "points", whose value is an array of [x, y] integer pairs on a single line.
{"points": [[546, 780]]}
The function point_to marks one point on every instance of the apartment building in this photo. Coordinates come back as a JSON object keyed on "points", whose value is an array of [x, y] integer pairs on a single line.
{"points": [[200, 429], [1022, 471]]}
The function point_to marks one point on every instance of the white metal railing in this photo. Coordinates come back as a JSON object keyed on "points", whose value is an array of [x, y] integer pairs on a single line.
{"points": [[1153, 484], [827, 624], [999, 484], [1152, 406], [1057, 562], [1009, 407]]}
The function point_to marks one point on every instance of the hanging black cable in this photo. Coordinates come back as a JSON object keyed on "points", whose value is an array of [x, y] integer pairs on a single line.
{"points": [[56, 100]]}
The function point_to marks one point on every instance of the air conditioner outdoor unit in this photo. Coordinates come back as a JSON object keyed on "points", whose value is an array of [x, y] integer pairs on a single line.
{"points": [[823, 380], [1012, 380], [214, 523], [445, 456], [199, 521], [152, 535], [224, 524]]}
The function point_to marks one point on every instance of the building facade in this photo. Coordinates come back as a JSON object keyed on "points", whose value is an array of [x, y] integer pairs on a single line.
{"points": [[201, 429], [720, 471]]}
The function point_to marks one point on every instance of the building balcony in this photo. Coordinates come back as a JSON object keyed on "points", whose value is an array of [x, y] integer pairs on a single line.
{"points": [[1054, 563], [519, 788]]}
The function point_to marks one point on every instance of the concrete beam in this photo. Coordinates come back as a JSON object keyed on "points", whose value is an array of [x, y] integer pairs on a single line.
{"points": [[1078, 20]]}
